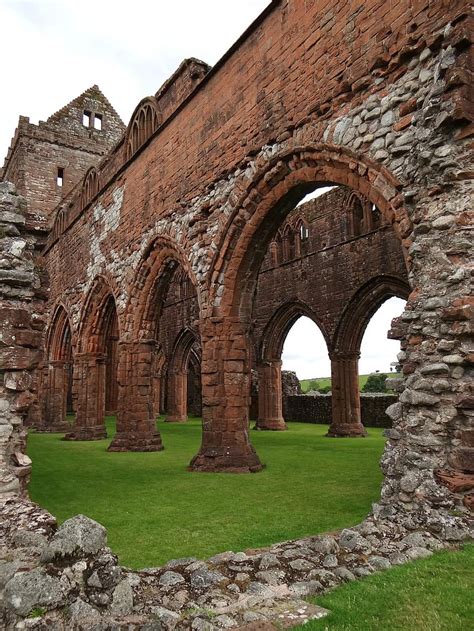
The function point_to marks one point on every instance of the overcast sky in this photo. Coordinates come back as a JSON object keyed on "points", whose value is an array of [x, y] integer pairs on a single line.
{"points": [[53, 50]]}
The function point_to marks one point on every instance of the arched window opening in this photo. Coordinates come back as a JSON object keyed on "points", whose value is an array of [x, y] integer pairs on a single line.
{"points": [[378, 354], [288, 244], [303, 231], [57, 380], [375, 217], [144, 123], [305, 353]]}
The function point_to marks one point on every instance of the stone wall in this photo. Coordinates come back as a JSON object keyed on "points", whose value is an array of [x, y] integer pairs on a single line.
{"points": [[63, 141], [22, 297], [390, 117], [318, 409]]}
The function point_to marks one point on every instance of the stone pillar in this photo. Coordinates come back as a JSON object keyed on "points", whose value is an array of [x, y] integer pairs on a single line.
{"points": [[136, 422], [225, 387], [55, 397], [177, 396], [90, 406], [345, 395], [270, 415]]}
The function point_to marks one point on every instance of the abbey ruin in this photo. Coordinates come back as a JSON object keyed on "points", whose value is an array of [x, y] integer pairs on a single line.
{"points": [[153, 266]]}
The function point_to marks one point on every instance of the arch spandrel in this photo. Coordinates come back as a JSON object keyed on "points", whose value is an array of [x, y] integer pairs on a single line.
{"points": [[59, 334]]}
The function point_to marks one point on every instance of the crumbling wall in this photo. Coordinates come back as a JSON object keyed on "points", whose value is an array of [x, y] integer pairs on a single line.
{"points": [[21, 316]]}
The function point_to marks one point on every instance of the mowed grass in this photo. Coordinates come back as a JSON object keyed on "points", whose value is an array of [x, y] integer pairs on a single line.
{"points": [[323, 382], [434, 594], [156, 510]]}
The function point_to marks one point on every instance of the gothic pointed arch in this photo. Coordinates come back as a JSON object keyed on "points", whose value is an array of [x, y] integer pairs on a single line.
{"points": [[161, 260], [186, 341], [99, 317], [362, 306], [59, 343], [274, 192], [274, 335], [90, 186]]}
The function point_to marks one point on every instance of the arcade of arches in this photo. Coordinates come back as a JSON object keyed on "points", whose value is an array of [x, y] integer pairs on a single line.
{"points": [[177, 256], [317, 264]]}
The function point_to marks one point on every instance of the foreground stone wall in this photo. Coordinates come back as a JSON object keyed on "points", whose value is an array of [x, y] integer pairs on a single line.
{"points": [[22, 322]]}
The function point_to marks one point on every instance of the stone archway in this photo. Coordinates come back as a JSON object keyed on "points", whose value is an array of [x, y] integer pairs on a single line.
{"points": [[270, 410], [178, 376], [345, 353], [57, 378], [140, 352], [98, 323], [275, 190]]}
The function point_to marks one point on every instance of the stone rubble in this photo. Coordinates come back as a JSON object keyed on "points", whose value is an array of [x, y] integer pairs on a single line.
{"points": [[67, 578]]}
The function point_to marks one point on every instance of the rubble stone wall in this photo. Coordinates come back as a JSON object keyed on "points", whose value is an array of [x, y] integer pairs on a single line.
{"points": [[22, 302], [318, 409]]}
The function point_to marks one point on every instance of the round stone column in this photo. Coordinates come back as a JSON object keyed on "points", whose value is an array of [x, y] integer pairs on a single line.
{"points": [[345, 396], [136, 422], [54, 393], [177, 396], [90, 404], [270, 415], [225, 444]]}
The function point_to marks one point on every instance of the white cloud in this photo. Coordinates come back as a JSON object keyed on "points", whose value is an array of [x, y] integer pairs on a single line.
{"points": [[54, 50]]}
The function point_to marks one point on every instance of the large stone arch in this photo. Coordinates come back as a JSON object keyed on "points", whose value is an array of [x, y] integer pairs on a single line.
{"points": [[345, 352], [159, 262], [275, 189], [270, 407], [277, 185], [362, 306], [95, 316], [274, 334], [140, 354]]}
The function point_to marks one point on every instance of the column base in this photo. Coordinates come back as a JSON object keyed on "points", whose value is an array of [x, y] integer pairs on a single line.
{"points": [[124, 441], [176, 419], [226, 460], [87, 433], [57, 428], [357, 430], [273, 425]]}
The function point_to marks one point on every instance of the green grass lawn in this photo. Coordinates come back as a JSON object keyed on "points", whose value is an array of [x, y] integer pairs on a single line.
{"points": [[326, 381], [434, 594], [156, 510]]}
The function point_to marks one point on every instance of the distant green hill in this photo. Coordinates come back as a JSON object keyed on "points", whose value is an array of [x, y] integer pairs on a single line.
{"points": [[323, 382]]}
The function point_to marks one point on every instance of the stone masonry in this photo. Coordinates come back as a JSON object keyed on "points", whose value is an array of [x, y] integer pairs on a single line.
{"points": [[374, 99]]}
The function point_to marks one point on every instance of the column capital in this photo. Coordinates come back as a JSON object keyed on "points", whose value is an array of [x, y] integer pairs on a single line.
{"points": [[344, 354]]}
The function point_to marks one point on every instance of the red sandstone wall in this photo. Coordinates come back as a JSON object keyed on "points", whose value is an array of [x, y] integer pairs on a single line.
{"points": [[332, 48]]}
